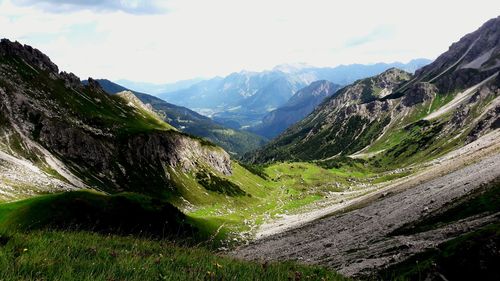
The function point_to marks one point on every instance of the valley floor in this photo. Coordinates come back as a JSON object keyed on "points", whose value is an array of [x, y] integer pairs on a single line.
{"points": [[358, 235]]}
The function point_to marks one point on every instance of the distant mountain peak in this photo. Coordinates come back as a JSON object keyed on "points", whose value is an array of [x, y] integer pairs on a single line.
{"points": [[292, 67]]}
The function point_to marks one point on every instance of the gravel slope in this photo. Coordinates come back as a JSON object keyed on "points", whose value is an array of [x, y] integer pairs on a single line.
{"points": [[356, 242]]}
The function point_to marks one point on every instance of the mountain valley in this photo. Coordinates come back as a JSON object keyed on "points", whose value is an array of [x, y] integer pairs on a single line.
{"points": [[358, 172]]}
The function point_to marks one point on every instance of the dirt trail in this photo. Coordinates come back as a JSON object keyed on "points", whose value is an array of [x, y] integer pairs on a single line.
{"points": [[357, 241]]}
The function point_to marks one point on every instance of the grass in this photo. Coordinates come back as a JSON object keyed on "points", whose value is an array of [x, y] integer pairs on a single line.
{"points": [[415, 143], [86, 235], [69, 255], [125, 213], [280, 188], [210, 181]]}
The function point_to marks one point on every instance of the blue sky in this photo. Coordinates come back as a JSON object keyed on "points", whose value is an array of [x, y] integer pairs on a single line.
{"points": [[165, 41]]}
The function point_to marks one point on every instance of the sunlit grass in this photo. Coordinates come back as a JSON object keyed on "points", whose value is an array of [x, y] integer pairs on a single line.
{"points": [[66, 255]]}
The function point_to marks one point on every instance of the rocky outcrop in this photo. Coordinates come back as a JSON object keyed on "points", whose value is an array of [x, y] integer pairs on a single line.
{"points": [[71, 80], [176, 150], [27, 53], [419, 93], [134, 101]]}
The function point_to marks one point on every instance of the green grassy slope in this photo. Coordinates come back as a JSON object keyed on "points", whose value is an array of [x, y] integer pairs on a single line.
{"points": [[69, 255], [86, 235], [125, 213], [280, 188]]}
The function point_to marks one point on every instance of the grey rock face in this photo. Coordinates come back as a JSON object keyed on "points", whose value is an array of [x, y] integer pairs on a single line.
{"points": [[71, 80], [419, 93], [29, 54], [175, 150]]}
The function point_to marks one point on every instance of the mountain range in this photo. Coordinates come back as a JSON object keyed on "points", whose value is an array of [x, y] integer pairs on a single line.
{"points": [[242, 99]]}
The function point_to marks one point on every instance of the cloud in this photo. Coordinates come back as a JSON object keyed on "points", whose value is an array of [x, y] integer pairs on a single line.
{"points": [[138, 7], [205, 38], [380, 33]]}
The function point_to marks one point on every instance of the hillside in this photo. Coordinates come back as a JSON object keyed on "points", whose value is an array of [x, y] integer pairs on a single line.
{"points": [[418, 227], [440, 128], [75, 136], [65, 255], [404, 118], [234, 141]]}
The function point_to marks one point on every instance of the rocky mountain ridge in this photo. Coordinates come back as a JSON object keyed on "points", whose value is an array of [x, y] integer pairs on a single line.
{"points": [[82, 137], [398, 114]]}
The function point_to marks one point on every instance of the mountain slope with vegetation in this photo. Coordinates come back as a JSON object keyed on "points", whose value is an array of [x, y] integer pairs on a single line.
{"points": [[236, 142], [401, 117], [442, 126], [83, 137]]}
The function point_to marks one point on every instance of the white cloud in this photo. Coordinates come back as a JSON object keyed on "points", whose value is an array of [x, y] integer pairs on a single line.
{"points": [[207, 38]]}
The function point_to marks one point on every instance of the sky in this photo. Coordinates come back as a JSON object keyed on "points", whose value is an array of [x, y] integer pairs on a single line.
{"points": [[166, 41]]}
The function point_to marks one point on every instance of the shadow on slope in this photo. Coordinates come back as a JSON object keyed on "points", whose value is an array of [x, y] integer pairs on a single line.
{"points": [[124, 213]]}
